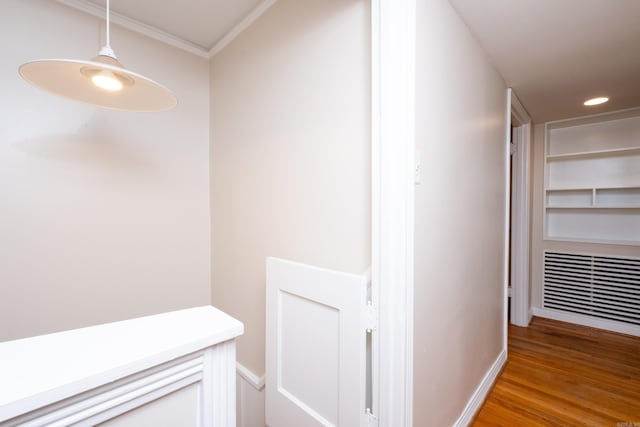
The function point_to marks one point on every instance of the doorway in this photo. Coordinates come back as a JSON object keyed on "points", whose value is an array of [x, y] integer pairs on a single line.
{"points": [[518, 257]]}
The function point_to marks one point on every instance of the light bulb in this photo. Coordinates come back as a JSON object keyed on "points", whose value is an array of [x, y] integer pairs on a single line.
{"points": [[596, 101], [107, 81]]}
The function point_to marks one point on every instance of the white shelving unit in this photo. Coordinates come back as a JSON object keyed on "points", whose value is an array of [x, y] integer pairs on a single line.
{"points": [[592, 179]]}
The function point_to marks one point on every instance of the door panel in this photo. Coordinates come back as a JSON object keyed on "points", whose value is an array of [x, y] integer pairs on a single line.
{"points": [[315, 349]]}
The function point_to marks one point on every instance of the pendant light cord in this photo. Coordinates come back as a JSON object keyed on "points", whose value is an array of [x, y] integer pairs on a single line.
{"points": [[108, 26], [106, 49]]}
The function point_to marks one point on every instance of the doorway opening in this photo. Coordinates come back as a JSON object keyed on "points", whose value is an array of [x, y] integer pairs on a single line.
{"points": [[519, 307]]}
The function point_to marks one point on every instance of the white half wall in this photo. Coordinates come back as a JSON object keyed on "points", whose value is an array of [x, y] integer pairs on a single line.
{"points": [[104, 215], [290, 153], [460, 217]]}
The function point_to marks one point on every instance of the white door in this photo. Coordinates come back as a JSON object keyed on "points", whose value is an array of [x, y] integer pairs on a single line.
{"points": [[315, 348]]}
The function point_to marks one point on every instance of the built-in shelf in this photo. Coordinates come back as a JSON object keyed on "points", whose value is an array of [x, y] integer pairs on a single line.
{"points": [[595, 153], [596, 199], [569, 189], [619, 187], [593, 198], [592, 207]]}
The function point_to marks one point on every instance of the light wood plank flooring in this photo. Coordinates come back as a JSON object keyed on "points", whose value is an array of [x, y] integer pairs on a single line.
{"points": [[560, 374]]}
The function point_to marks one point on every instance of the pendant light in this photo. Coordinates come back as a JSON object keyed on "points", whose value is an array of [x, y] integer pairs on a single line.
{"points": [[103, 81]]}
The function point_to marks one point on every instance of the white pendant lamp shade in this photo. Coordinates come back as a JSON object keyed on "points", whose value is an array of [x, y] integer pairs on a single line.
{"points": [[102, 81], [98, 83]]}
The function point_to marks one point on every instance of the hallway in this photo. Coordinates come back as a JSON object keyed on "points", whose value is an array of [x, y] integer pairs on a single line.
{"points": [[560, 374]]}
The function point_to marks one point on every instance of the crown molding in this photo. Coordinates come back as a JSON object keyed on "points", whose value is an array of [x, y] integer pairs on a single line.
{"points": [[137, 26], [168, 38], [241, 26]]}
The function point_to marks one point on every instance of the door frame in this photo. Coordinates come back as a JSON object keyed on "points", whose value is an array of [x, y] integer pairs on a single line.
{"points": [[520, 212], [393, 176], [393, 179], [393, 143]]}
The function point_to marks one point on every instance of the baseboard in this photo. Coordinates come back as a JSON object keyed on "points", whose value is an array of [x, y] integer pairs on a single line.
{"points": [[479, 396], [583, 320], [251, 378], [249, 398]]}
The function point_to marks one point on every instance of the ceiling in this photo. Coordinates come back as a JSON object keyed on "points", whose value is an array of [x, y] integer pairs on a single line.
{"points": [[557, 53], [201, 22], [199, 26], [553, 53]]}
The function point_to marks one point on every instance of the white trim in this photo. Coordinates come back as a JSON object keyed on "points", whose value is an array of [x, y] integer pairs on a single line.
{"points": [[393, 145], [520, 235], [168, 38], [592, 322], [507, 208], [518, 110], [251, 378], [138, 27], [374, 267], [480, 394], [241, 26], [127, 396]]}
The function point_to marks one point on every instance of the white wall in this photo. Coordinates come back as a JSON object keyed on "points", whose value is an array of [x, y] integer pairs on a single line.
{"points": [[104, 215], [459, 216], [290, 153]]}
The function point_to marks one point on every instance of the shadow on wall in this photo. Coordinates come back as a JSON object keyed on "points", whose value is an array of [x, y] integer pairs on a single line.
{"points": [[93, 148]]}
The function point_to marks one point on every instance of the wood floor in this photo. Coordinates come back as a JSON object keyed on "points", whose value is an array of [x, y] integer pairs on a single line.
{"points": [[560, 374]]}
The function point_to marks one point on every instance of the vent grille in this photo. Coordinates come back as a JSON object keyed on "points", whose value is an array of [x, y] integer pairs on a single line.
{"points": [[597, 286]]}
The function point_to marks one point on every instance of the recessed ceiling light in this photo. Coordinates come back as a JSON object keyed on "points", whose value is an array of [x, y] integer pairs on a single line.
{"points": [[596, 101]]}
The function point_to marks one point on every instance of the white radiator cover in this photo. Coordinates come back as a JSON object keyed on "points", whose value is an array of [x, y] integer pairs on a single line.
{"points": [[596, 286]]}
